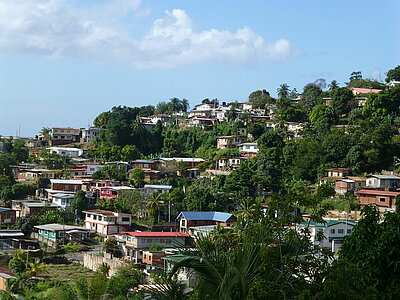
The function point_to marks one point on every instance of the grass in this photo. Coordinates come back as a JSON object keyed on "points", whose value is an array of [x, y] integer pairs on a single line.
{"points": [[65, 272], [73, 247]]}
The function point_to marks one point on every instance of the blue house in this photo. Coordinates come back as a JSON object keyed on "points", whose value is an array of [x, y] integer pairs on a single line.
{"points": [[188, 219]]}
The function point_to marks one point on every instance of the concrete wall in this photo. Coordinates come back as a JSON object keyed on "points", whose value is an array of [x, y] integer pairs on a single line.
{"points": [[92, 262]]}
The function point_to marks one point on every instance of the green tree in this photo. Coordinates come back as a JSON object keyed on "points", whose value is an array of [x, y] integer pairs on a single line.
{"points": [[340, 99], [130, 152], [393, 74], [333, 85], [136, 177], [171, 147], [80, 202], [311, 96]]}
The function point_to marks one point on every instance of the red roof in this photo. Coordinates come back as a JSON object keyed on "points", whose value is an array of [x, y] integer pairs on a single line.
{"points": [[378, 193], [365, 91], [75, 170], [157, 234]]}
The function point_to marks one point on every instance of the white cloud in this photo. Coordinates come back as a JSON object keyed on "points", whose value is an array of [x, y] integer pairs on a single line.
{"points": [[58, 29]]}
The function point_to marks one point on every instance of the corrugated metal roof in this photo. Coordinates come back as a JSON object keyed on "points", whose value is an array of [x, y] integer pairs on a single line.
{"points": [[156, 234], [205, 215]]}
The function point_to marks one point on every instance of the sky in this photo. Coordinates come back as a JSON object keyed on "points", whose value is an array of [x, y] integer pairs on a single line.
{"points": [[63, 62]]}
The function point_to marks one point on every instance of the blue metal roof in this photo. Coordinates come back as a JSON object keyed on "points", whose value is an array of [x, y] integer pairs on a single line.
{"points": [[205, 215], [4, 209]]}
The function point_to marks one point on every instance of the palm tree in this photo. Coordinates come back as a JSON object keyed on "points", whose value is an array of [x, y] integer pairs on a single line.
{"points": [[175, 104], [223, 274], [153, 205], [35, 267], [283, 91], [185, 105], [333, 85]]}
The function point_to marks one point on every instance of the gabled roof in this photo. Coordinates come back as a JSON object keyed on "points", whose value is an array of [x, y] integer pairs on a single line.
{"points": [[327, 223], [205, 215], [155, 234]]}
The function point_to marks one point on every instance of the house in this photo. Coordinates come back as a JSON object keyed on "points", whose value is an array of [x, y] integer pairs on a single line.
{"points": [[89, 134], [145, 164], [137, 242], [229, 141], [4, 278], [184, 275], [7, 216], [335, 174], [12, 239], [70, 152], [65, 185], [156, 188], [63, 201], [248, 149], [92, 168], [30, 208], [388, 182], [338, 172], [349, 184], [64, 135], [229, 163], [106, 222], [55, 234], [333, 232], [111, 192], [358, 91], [33, 174], [78, 172], [188, 219], [153, 258], [190, 162], [384, 200]]}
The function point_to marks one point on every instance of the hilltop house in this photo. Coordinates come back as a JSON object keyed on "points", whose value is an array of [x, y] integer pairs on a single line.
{"points": [[384, 182], [349, 184], [188, 219], [70, 152], [54, 234], [63, 135], [229, 141], [111, 192], [384, 200], [134, 243], [333, 232], [106, 222], [248, 149]]}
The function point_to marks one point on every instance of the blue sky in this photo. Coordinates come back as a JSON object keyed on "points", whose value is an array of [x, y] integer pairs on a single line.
{"points": [[64, 62]]}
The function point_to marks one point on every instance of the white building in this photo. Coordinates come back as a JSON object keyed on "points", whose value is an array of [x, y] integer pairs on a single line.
{"points": [[333, 232], [248, 149], [93, 168], [89, 134], [383, 181], [106, 222], [70, 152], [64, 201], [136, 242]]}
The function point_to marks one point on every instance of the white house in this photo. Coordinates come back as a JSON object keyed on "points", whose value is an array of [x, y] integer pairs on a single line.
{"points": [[136, 242], [106, 222], [383, 181], [333, 232], [93, 168], [159, 188], [71, 152], [248, 149], [64, 201], [90, 133]]}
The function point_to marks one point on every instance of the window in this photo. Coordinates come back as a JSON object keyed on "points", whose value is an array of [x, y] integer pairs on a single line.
{"points": [[333, 231], [125, 219], [340, 231], [349, 231], [168, 241], [149, 241], [162, 241], [382, 199]]}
